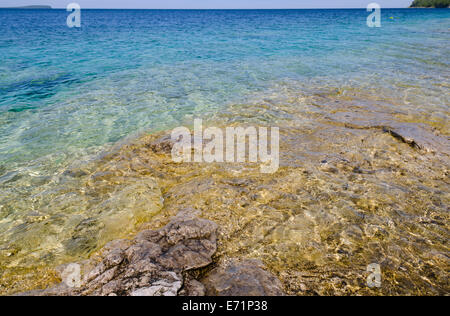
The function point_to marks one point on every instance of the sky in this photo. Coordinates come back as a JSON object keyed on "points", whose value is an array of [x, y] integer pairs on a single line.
{"points": [[210, 4]]}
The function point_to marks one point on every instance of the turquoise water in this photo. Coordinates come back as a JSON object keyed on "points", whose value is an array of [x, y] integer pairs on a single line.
{"points": [[65, 90], [67, 96]]}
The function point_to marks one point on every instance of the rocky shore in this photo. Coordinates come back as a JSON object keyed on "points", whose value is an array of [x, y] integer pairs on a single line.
{"points": [[362, 184], [162, 263]]}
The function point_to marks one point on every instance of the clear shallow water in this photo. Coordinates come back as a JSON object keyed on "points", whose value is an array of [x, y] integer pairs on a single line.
{"points": [[68, 95]]}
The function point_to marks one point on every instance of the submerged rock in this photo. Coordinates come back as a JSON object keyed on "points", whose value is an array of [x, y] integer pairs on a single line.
{"points": [[419, 138], [162, 145], [149, 265], [242, 278]]}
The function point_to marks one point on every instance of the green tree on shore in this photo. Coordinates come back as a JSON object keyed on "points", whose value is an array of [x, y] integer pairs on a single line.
{"points": [[430, 4]]}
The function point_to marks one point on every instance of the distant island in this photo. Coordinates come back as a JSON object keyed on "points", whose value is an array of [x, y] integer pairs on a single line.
{"points": [[430, 4], [30, 7]]}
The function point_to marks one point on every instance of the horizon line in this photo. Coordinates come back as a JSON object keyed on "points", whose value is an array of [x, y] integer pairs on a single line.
{"points": [[49, 7]]}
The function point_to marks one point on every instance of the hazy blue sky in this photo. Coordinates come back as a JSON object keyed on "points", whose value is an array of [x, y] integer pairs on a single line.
{"points": [[206, 4]]}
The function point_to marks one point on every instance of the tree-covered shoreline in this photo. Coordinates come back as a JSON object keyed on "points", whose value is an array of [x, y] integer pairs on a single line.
{"points": [[430, 4]]}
